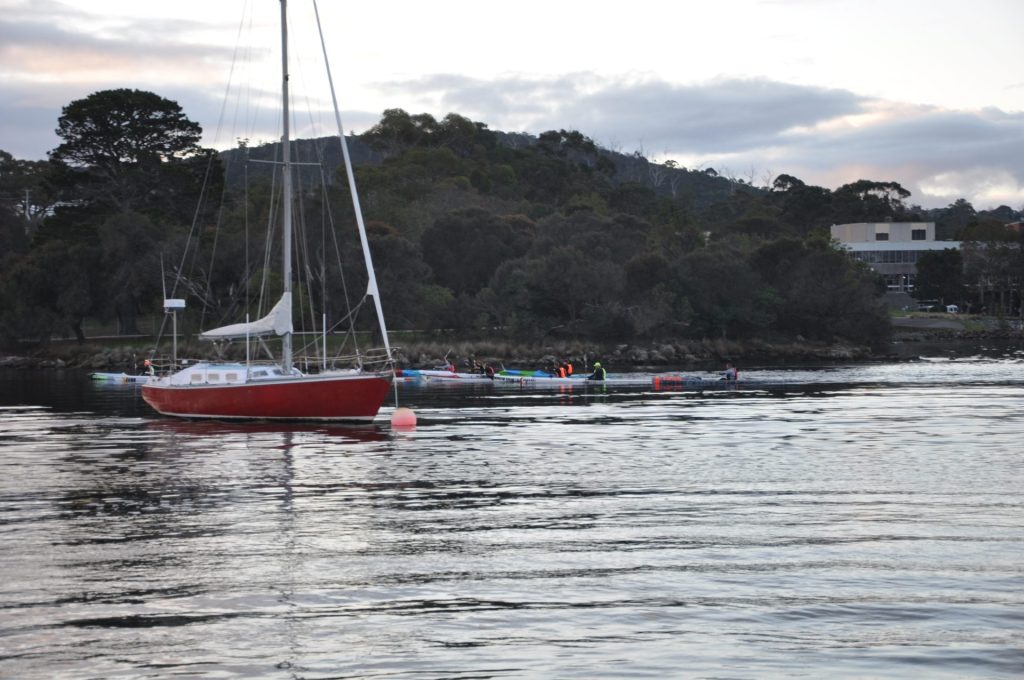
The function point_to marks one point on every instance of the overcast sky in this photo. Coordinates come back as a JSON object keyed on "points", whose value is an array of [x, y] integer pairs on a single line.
{"points": [[928, 93]]}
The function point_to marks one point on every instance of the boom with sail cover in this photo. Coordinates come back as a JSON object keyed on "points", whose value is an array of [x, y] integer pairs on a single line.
{"points": [[277, 322]]}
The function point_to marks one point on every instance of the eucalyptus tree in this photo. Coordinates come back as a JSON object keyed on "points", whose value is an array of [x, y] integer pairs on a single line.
{"points": [[870, 201], [817, 291], [465, 247], [940, 276], [129, 170], [119, 144], [994, 264]]}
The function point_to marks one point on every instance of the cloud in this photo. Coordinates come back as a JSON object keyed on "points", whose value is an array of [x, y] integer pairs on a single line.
{"points": [[755, 126], [722, 116], [937, 154], [824, 136], [52, 54], [51, 48]]}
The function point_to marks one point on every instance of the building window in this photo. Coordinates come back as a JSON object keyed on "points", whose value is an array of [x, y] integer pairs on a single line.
{"points": [[899, 283], [882, 236], [917, 234]]}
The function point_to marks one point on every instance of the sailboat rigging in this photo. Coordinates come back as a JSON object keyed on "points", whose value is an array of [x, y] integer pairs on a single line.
{"points": [[280, 391]]}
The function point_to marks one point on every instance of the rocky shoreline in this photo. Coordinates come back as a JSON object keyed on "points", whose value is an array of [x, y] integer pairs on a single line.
{"points": [[692, 354], [708, 354]]}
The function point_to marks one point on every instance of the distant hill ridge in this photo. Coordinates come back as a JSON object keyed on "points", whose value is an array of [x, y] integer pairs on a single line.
{"points": [[702, 188]]}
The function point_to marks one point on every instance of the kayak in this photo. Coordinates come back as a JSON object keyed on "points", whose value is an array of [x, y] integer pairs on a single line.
{"points": [[539, 378], [673, 381], [119, 377], [668, 381], [536, 378], [439, 375], [449, 376]]}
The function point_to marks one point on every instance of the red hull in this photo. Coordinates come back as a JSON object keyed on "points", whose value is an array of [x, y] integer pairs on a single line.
{"points": [[349, 398]]}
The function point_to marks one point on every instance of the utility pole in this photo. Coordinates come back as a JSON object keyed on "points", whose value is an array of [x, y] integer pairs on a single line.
{"points": [[28, 214]]}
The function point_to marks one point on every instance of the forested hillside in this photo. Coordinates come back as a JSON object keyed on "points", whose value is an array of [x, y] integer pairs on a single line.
{"points": [[472, 230]]}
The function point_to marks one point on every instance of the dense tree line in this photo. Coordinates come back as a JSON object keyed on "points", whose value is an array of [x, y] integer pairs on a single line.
{"points": [[471, 229], [985, 275]]}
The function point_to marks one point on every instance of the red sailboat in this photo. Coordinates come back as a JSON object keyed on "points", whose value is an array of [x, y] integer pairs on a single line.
{"points": [[224, 391], [278, 391]]}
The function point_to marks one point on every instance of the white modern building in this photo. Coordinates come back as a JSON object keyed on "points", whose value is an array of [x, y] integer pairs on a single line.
{"points": [[891, 248]]}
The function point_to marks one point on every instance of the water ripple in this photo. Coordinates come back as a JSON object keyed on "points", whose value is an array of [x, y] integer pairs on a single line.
{"points": [[855, 522]]}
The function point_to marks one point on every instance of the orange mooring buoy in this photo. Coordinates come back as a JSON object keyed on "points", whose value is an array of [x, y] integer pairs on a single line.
{"points": [[403, 417]]}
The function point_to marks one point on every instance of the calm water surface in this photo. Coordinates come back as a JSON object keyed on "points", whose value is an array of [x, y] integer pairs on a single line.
{"points": [[862, 522]]}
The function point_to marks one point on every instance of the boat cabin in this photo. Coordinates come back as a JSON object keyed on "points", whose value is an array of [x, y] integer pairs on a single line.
{"points": [[226, 374]]}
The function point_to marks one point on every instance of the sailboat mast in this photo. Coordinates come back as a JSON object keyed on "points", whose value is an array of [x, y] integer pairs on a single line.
{"points": [[286, 157]]}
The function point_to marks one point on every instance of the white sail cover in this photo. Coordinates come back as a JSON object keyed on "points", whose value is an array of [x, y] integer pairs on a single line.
{"points": [[277, 322]]}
